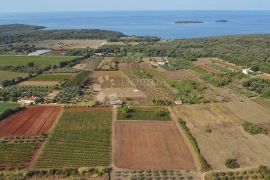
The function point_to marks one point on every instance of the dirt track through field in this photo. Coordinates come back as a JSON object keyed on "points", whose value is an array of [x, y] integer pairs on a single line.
{"points": [[30, 122], [150, 145]]}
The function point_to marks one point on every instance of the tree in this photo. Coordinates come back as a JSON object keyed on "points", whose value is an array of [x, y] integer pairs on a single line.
{"points": [[232, 163], [255, 68]]}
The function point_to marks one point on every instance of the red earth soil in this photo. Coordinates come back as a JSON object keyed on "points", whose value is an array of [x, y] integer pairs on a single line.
{"points": [[30, 122], [209, 69], [150, 145], [88, 109]]}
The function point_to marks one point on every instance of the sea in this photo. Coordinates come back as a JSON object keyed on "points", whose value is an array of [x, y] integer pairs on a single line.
{"points": [[151, 23]]}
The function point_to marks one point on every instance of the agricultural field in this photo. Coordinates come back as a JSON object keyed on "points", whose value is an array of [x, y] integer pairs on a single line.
{"points": [[35, 121], [80, 139], [144, 145], [16, 156], [144, 113], [7, 105], [42, 61], [38, 83], [6, 75], [218, 129], [53, 77]]}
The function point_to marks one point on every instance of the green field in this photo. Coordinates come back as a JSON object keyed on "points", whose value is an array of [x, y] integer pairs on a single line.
{"points": [[5, 105], [144, 113], [52, 77], [14, 154], [81, 139], [6, 75], [37, 60]]}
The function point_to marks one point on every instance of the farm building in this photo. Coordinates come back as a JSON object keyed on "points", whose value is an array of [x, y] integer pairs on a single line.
{"points": [[39, 52], [29, 100]]}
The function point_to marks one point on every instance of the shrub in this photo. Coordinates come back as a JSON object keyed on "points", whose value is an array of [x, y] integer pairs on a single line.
{"points": [[232, 163], [254, 129]]}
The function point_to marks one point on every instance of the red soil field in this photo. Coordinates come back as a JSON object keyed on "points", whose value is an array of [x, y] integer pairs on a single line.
{"points": [[30, 122], [88, 109], [150, 145], [209, 69]]}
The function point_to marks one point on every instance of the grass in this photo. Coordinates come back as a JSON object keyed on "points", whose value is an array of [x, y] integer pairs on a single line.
{"points": [[43, 61], [189, 91], [144, 113], [81, 139], [6, 75], [51, 77], [6, 105], [13, 154]]}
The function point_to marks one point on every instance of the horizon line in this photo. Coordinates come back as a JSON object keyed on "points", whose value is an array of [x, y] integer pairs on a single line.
{"points": [[169, 10]]}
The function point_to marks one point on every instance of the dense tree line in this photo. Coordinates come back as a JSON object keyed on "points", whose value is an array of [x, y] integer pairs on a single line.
{"points": [[19, 33], [246, 51]]}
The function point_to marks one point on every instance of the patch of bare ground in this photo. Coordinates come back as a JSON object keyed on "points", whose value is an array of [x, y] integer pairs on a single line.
{"points": [[233, 142], [227, 138], [150, 145]]}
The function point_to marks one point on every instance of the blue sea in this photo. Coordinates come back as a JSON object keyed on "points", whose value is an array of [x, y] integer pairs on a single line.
{"points": [[152, 23]]}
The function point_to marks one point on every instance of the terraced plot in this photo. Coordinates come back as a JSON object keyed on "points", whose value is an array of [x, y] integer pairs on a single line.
{"points": [[81, 139]]}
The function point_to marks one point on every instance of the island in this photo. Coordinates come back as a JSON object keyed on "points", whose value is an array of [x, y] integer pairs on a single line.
{"points": [[188, 22], [222, 21]]}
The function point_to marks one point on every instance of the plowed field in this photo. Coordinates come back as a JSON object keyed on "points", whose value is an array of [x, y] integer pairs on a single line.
{"points": [[150, 145], [30, 122]]}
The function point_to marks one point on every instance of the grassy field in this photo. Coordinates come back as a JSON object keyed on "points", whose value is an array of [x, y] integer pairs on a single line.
{"points": [[6, 105], [37, 60], [52, 77], [6, 75], [81, 139], [144, 113], [15, 154]]}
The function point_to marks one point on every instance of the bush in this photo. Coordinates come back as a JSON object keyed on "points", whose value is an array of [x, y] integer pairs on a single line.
{"points": [[254, 129], [232, 163]]}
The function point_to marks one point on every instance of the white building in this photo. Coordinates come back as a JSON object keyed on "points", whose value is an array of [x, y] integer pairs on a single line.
{"points": [[39, 52], [29, 101]]}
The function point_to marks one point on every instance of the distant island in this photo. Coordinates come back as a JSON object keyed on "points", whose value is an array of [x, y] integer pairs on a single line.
{"points": [[222, 21], [188, 22]]}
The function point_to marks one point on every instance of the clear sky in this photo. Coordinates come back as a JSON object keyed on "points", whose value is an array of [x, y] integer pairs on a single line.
{"points": [[130, 5]]}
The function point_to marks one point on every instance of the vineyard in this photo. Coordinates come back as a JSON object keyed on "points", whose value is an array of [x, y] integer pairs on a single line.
{"points": [[15, 155], [81, 139]]}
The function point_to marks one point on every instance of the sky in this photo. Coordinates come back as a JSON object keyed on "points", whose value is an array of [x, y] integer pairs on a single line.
{"points": [[130, 5]]}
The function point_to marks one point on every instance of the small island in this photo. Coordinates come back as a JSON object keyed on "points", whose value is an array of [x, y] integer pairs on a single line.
{"points": [[222, 21], [188, 22]]}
